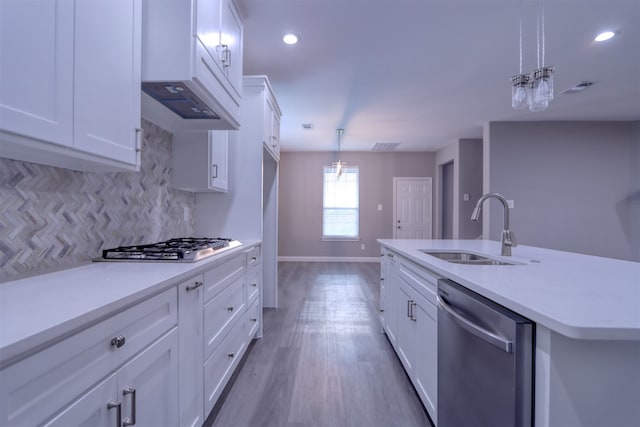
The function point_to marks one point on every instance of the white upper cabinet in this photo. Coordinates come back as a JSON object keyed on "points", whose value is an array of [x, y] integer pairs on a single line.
{"points": [[199, 161], [71, 79], [192, 64], [107, 87], [36, 87], [259, 88]]}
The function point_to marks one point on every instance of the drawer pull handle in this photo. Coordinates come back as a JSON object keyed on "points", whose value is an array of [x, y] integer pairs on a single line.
{"points": [[130, 421], [118, 407], [230, 308], [253, 320], [255, 285], [118, 341], [253, 259], [196, 285], [231, 355]]}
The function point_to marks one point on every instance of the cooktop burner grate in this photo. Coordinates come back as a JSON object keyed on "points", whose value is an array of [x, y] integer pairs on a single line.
{"points": [[186, 249]]}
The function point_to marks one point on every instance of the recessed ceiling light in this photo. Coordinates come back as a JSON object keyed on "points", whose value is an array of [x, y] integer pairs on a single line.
{"points": [[291, 38], [604, 36]]}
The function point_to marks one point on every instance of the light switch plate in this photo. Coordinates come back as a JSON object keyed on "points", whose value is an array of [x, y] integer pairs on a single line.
{"points": [[465, 197], [511, 204], [379, 207]]}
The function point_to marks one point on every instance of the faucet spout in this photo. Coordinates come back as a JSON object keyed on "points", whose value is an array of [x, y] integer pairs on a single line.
{"points": [[508, 237]]}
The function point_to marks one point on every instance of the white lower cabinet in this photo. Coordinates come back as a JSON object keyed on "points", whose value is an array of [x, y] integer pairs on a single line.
{"points": [[219, 367], [388, 295], [142, 393], [411, 291], [162, 362], [191, 323], [139, 346]]}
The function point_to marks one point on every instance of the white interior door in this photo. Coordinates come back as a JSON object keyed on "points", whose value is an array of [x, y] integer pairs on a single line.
{"points": [[412, 206]]}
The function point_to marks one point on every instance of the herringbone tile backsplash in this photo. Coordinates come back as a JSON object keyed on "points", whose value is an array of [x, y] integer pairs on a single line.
{"points": [[53, 218]]}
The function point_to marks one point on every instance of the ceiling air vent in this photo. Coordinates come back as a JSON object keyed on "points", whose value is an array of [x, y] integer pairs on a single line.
{"points": [[386, 146], [307, 126], [577, 88]]}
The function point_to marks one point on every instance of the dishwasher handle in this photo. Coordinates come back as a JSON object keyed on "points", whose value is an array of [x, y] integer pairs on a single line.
{"points": [[478, 331]]}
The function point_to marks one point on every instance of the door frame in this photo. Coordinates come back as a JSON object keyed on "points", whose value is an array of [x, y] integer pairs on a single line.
{"points": [[395, 207]]}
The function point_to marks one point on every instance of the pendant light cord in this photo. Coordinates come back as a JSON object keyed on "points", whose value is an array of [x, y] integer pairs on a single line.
{"points": [[520, 36]]}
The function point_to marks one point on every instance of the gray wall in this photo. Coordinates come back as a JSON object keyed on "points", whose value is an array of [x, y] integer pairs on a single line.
{"points": [[300, 204], [466, 155], [470, 178], [53, 218], [572, 183]]}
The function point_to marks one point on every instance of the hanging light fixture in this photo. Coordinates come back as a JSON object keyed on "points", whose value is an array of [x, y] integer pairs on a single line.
{"points": [[535, 89], [339, 165]]}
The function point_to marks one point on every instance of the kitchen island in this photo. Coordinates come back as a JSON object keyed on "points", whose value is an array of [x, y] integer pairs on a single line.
{"points": [[587, 315]]}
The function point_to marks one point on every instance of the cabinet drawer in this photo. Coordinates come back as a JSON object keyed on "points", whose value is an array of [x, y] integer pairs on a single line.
{"points": [[219, 367], [253, 319], [423, 281], [33, 389], [221, 312], [253, 284], [217, 279], [253, 256]]}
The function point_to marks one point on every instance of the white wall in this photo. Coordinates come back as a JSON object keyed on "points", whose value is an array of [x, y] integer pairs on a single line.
{"points": [[572, 183]]}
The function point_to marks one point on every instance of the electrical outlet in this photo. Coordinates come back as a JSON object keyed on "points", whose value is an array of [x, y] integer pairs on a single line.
{"points": [[379, 207], [186, 214], [362, 246], [511, 204], [465, 197]]}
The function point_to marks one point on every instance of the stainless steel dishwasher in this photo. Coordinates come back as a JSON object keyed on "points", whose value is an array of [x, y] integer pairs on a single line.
{"points": [[485, 361]]}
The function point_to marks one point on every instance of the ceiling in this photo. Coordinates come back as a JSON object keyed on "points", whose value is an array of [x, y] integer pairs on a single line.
{"points": [[425, 73]]}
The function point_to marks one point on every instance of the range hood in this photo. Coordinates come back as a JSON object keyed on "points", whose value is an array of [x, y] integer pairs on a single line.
{"points": [[185, 84], [177, 97]]}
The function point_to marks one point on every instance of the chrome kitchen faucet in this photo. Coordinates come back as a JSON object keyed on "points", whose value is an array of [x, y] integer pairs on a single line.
{"points": [[508, 236]]}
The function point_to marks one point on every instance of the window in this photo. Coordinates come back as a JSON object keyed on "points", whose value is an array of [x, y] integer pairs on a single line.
{"points": [[340, 206]]}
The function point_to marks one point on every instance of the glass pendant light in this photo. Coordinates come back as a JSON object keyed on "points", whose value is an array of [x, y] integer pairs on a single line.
{"points": [[519, 91], [533, 90]]}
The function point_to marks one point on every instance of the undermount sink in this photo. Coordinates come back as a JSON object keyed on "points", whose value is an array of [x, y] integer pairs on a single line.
{"points": [[460, 257]]}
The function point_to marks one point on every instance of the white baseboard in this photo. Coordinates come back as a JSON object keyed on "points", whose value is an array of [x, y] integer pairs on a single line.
{"points": [[327, 259]]}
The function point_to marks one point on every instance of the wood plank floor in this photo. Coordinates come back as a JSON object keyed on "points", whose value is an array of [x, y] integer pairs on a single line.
{"points": [[323, 360]]}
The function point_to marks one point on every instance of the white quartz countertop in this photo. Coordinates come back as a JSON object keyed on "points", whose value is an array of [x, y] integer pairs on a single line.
{"points": [[38, 309], [580, 296]]}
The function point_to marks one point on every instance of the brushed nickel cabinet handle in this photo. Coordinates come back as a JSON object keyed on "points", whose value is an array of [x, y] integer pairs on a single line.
{"points": [[231, 355], [118, 341], [139, 139], [195, 285], [253, 320], [130, 421], [230, 308], [118, 407], [255, 285]]}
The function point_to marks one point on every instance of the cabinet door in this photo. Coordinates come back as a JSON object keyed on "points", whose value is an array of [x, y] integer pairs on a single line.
{"points": [[36, 65], [219, 160], [107, 78], [231, 38], [392, 295], [426, 359], [272, 127], [208, 31], [97, 408], [406, 327], [148, 385], [191, 342]]}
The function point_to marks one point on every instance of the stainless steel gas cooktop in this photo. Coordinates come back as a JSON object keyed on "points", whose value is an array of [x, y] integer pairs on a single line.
{"points": [[187, 249]]}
